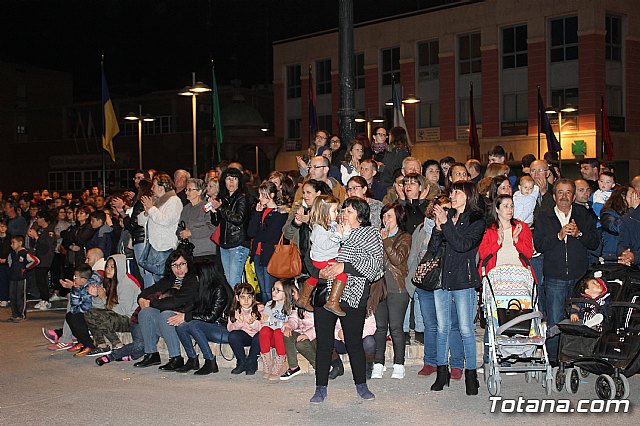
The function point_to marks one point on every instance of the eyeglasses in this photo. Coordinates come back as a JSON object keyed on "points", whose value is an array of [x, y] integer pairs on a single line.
{"points": [[317, 167], [354, 187], [381, 134], [539, 170], [191, 189], [179, 265], [335, 140]]}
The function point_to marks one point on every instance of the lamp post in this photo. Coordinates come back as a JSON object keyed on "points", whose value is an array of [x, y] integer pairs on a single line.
{"points": [[194, 90], [139, 118], [567, 108]]}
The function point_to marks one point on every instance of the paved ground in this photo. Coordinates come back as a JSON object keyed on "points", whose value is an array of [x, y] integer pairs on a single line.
{"points": [[53, 388]]}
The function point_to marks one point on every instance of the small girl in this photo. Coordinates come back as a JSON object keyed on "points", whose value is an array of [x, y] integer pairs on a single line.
{"points": [[525, 200], [326, 236], [274, 316], [244, 325]]}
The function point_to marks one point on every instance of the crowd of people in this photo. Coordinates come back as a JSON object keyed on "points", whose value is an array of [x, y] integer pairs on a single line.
{"points": [[176, 258]]}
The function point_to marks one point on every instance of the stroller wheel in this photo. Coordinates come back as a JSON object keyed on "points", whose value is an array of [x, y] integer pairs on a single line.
{"points": [[559, 379], [493, 386], [622, 387], [584, 373], [605, 387], [528, 376], [572, 381], [549, 385]]}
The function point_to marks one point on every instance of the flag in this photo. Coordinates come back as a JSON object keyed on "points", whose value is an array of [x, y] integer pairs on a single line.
{"points": [[313, 111], [607, 143], [217, 119], [474, 142], [398, 118], [109, 122], [545, 127]]}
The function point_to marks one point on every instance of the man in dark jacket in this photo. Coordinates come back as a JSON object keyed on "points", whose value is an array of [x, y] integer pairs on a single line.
{"points": [[629, 241], [45, 244], [564, 235]]}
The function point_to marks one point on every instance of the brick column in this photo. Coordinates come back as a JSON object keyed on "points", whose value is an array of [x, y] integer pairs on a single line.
{"points": [[279, 113], [408, 79], [632, 64], [490, 93], [304, 110], [447, 97], [371, 89], [591, 81], [537, 76], [335, 101]]}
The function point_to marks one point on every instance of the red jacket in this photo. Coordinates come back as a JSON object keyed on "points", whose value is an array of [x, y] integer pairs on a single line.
{"points": [[490, 246]]}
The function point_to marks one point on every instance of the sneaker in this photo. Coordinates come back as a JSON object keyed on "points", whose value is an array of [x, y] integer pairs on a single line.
{"points": [[427, 370], [76, 347], [59, 346], [378, 371], [19, 319], [4, 303], [45, 306], [594, 320], [11, 319], [37, 305], [84, 351], [56, 298], [364, 392], [290, 373], [50, 335], [320, 395], [99, 351], [398, 371], [102, 360], [456, 373]]}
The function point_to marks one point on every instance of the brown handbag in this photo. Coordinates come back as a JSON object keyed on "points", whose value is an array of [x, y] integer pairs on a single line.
{"points": [[285, 261]]}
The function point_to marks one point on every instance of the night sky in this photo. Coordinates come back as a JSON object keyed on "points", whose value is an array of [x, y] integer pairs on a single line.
{"points": [[155, 44]]}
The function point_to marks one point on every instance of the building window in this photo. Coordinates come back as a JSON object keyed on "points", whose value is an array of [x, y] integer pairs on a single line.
{"points": [[514, 107], [562, 97], [613, 39], [428, 68], [293, 128], [428, 114], [614, 99], [56, 181], [324, 123], [161, 125], [125, 180], [75, 181], [358, 70], [463, 110], [564, 39], [469, 58], [293, 81], [390, 65], [323, 77], [514, 47]]}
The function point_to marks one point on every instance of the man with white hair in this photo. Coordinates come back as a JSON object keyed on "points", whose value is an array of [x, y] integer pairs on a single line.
{"points": [[180, 177]]}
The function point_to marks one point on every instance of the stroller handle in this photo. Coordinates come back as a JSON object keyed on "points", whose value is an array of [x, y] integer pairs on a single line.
{"points": [[625, 305]]}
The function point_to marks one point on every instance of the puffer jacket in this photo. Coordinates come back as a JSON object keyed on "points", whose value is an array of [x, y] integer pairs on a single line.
{"points": [[462, 240], [233, 218], [396, 255]]}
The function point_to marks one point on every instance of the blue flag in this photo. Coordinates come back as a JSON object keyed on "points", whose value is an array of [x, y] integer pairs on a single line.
{"points": [[545, 127]]}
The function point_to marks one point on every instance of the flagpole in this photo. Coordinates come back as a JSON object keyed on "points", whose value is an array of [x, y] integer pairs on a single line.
{"points": [[309, 81], [602, 148], [104, 164], [539, 118]]}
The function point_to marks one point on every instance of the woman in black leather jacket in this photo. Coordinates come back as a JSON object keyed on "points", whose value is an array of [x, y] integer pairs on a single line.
{"points": [[131, 224], [207, 321], [75, 238], [232, 210]]}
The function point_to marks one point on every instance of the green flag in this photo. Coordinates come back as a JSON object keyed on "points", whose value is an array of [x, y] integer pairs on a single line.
{"points": [[217, 120]]}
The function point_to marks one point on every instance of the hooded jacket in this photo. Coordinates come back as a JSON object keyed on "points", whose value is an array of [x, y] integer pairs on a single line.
{"points": [[128, 291]]}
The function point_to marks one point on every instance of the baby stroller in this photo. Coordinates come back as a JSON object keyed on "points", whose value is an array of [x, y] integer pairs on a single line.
{"points": [[515, 330], [609, 350]]}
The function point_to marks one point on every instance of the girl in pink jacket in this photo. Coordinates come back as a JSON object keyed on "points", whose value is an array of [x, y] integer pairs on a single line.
{"points": [[244, 325]]}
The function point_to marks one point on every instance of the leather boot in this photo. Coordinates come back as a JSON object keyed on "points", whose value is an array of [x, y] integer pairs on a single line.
{"points": [[173, 364], [251, 366], [337, 369], [333, 304], [442, 379], [240, 367], [209, 366], [191, 364], [304, 298], [148, 360], [471, 382], [267, 365]]}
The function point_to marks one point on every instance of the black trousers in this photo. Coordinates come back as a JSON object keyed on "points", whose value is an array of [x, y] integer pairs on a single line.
{"points": [[42, 281], [79, 328], [352, 326], [390, 316]]}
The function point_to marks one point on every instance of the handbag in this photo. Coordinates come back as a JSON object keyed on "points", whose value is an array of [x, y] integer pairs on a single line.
{"points": [[285, 261], [184, 243], [511, 312], [151, 259], [428, 273]]}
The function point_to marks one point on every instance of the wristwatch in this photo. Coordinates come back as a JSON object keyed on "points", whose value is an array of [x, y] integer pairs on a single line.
{"points": [[579, 234]]}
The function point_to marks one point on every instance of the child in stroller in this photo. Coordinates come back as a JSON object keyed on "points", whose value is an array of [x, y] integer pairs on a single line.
{"points": [[595, 289]]}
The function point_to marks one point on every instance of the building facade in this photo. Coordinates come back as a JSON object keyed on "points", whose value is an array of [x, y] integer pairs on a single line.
{"points": [[573, 52]]}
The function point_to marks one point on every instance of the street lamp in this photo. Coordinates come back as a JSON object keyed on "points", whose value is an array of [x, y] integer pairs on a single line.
{"points": [[139, 118], [550, 111], [194, 90]]}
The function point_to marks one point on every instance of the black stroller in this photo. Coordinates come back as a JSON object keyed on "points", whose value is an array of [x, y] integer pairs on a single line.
{"points": [[609, 350]]}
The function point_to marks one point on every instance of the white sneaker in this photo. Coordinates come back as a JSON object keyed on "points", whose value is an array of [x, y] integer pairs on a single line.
{"points": [[3, 303], [378, 371], [594, 320], [38, 305], [56, 298], [45, 306], [398, 371]]}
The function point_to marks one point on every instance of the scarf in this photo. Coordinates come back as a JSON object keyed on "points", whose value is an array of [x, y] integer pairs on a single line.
{"points": [[161, 200]]}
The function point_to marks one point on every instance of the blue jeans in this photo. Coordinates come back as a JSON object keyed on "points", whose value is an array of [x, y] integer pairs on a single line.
{"points": [[147, 277], [238, 339], [538, 270], [417, 317], [135, 349], [557, 292], [154, 325], [265, 280], [466, 303], [233, 260], [203, 333], [428, 311]]}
